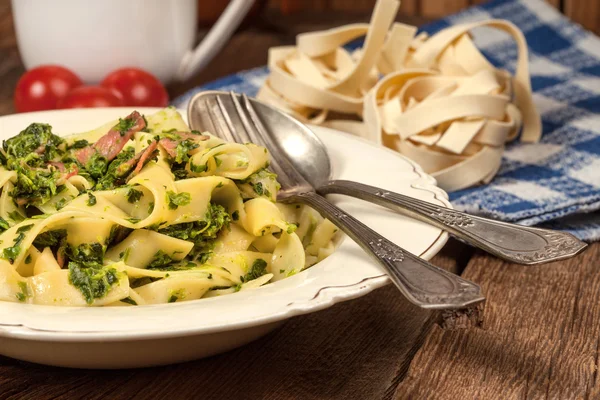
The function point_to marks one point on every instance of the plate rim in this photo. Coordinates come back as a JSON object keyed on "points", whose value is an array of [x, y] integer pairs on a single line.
{"points": [[325, 297]]}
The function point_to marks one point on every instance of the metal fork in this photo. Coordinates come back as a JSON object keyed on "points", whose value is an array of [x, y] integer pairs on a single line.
{"points": [[421, 283]]}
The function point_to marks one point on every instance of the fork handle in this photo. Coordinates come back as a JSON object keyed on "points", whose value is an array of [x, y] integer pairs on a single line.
{"points": [[515, 243], [421, 282]]}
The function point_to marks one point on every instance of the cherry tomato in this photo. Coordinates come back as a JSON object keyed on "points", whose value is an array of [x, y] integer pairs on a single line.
{"points": [[40, 88], [90, 96], [137, 87]]}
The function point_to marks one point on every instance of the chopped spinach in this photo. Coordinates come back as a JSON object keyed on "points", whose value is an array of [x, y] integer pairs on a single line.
{"points": [[94, 282], [258, 269], [129, 300], [3, 225], [24, 291], [160, 260], [202, 233], [174, 200], [91, 199], [134, 195], [50, 238]]}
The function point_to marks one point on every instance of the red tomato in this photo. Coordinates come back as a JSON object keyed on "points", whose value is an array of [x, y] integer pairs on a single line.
{"points": [[137, 87], [89, 97], [40, 88]]}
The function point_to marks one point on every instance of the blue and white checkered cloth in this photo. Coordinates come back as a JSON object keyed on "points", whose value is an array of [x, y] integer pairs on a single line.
{"points": [[554, 183]]}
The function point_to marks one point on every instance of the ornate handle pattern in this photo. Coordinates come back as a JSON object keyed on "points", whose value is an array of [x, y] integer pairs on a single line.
{"points": [[515, 243], [421, 282]]}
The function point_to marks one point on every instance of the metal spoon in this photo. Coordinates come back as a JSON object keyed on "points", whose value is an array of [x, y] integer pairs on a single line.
{"points": [[515, 243]]}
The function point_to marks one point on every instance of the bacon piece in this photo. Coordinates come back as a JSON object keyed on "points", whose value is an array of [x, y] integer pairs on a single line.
{"points": [[58, 165], [170, 146], [147, 153], [84, 155], [137, 161], [113, 142], [60, 256], [21, 201], [65, 177]]}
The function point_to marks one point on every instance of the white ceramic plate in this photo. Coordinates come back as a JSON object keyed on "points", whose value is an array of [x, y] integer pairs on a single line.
{"points": [[124, 337]]}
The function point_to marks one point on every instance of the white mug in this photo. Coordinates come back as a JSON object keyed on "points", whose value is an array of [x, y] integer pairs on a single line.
{"points": [[95, 37]]}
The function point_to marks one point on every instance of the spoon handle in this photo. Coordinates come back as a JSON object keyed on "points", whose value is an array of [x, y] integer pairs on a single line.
{"points": [[422, 283], [515, 243]]}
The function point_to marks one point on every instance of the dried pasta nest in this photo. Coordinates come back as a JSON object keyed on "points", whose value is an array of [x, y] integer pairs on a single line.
{"points": [[437, 99]]}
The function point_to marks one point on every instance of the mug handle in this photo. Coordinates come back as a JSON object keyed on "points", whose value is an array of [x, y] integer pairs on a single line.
{"points": [[196, 59]]}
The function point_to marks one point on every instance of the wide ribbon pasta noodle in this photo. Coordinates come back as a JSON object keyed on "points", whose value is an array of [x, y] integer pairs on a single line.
{"points": [[174, 216]]}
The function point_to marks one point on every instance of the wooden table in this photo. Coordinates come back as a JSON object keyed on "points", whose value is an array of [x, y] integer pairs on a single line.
{"points": [[536, 337]]}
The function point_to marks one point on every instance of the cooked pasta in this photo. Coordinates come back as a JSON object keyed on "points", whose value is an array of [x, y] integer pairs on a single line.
{"points": [[144, 211]]}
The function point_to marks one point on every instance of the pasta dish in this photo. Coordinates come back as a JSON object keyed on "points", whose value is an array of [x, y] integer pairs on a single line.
{"points": [[144, 211]]}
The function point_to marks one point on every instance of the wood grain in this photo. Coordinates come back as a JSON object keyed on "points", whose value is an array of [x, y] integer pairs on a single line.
{"points": [[539, 339], [441, 8], [586, 13]]}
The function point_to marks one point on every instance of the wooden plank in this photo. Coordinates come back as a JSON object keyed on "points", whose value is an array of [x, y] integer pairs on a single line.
{"points": [[409, 7], [441, 8], [355, 350], [539, 339], [584, 12]]}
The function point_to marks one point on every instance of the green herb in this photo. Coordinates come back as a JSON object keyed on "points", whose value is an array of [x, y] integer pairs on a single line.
{"points": [[218, 161], [150, 207], [3, 225], [94, 282], [60, 204], [24, 228], [11, 253], [183, 149], [134, 195], [34, 137], [160, 260], [202, 233], [125, 255], [24, 292], [35, 186], [129, 300], [198, 168], [291, 228], [178, 199], [16, 216], [97, 165], [258, 269], [177, 295], [28, 259], [79, 144], [258, 188], [87, 254], [125, 125], [113, 174], [235, 215], [179, 171], [91, 199], [133, 220], [50, 238]]}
